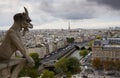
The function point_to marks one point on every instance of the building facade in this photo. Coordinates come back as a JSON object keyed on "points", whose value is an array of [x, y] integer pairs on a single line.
{"points": [[108, 49]]}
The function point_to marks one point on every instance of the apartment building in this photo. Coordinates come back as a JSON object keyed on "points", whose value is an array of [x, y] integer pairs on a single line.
{"points": [[108, 49]]}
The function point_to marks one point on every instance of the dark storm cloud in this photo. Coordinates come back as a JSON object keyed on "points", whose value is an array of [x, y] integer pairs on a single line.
{"points": [[114, 4], [45, 11], [69, 9]]}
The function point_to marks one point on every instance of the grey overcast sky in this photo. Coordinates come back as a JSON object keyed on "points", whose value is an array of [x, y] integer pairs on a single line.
{"points": [[55, 14]]}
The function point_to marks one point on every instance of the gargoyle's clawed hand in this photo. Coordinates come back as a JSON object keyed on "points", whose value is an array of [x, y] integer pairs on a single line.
{"points": [[30, 61]]}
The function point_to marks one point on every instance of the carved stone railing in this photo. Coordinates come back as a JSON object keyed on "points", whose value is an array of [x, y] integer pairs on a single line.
{"points": [[11, 68]]}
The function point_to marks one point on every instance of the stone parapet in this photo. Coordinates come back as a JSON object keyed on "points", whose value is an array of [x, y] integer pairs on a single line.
{"points": [[11, 68]]}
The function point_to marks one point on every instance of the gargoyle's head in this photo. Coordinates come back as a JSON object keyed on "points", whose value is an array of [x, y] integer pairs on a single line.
{"points": [[23, 20]]}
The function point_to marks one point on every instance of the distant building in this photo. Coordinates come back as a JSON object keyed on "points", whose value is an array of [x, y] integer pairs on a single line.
{"points": [[41, 51], [60, 44], [52, 47], [107, 49], [38, 39]]}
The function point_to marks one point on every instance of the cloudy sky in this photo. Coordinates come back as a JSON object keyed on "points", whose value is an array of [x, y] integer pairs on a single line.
{"points": [[56, 14]]}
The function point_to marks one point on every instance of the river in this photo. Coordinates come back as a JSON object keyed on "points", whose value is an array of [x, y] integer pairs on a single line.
{"points": [[76, 54]]}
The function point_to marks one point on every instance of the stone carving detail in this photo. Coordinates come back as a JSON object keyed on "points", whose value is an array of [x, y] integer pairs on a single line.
{"points": [[13, 41]]}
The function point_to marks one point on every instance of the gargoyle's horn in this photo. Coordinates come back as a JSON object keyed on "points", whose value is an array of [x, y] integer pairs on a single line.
{"points": [[26, 11]]}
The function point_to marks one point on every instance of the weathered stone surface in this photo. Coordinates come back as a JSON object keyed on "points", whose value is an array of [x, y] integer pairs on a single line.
{"points": [[5, 73], [11, 68], [13, 40]]}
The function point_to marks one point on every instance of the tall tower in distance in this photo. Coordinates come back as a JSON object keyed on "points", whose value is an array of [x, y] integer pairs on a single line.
{"points": [[69, 26]]}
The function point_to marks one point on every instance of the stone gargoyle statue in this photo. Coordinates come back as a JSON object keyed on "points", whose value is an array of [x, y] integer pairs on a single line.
{"points": [[13, 41]]}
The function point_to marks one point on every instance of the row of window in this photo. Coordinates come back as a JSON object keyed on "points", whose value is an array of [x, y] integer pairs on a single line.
{"points": [[106, 54]]}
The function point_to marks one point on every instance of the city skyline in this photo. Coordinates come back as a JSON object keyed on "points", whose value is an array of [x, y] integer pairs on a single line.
{"points": [[54, 14]]}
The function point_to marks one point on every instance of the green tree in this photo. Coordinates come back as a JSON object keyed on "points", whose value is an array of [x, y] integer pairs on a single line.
{"points": [[48, 74], [96, 62], [108, 65], [27, 71], [91, 43], [36, 58], [68, 66], [70, 40], [111, 65], [32, 72], [98, 37], [69, 74], [83, 52], [61, 65], [117, 65], [73, 65]]}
